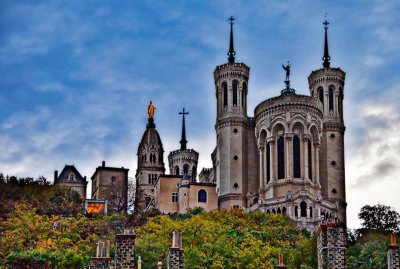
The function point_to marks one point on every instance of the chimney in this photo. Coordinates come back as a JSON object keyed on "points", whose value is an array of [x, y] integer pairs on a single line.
{"points": [[55, 175], [103, 163]]}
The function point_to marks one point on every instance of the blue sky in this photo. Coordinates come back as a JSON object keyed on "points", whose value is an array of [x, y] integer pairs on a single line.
{"points": [[76, 78]]}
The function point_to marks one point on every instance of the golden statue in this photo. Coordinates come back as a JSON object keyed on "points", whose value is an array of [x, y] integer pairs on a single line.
{"points": [[150, 110]]}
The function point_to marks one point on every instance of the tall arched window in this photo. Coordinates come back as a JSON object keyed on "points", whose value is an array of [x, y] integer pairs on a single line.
{"points": [[268, 157], [309, 153], [235, 84], [281, 157], [202, 196], [244, 91], [321, 95], [186, 169], [225, 93], [331, 100], [194, 171], [296, 156], [303, 209], [177, 170]]}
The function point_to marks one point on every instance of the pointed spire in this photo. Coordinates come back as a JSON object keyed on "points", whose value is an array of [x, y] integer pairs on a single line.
{"points": [[326, 57], [183, 138], [231, 52]]}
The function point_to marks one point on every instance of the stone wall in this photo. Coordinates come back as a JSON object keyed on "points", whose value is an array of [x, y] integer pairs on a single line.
{"points": [[331, 246], [124, 250]]}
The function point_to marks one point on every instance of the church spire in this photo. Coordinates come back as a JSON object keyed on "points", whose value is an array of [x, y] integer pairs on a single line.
{"points": [[231, 52], [183, 138], [326, 57]]}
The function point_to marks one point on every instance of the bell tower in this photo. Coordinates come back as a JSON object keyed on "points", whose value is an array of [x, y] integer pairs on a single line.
{"points": [[232, 130], [327, 85]]}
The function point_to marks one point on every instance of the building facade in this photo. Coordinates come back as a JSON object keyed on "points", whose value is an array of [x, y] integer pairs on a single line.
{"points": [[286, 159], [70, 177], [111, 183]]}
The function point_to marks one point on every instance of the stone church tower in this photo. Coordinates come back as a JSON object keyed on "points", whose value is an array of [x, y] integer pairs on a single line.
{"points": [[150, 163], [327, 85], [183, 161], [234, 157]]}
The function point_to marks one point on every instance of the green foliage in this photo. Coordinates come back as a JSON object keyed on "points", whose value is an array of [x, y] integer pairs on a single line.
{"points": [[31, 240], [380, 217], [369, 251], [227, 239]]}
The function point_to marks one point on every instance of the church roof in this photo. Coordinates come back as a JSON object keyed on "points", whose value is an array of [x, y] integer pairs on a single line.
{"points": [[150, 137], [65, 175]]}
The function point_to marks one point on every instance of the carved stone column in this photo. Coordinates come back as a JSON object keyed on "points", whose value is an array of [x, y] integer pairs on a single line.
{"points": [[316, 161], [261, 150]]}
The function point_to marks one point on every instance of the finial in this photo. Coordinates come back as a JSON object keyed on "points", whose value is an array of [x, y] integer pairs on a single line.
{"points": [[183, 138], [326, 57], [231, 52]]}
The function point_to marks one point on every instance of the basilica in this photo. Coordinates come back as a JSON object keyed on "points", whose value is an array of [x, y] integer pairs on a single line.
{"points": [[287, 158]]}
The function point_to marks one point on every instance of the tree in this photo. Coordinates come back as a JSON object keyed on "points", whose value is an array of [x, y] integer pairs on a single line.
{"points": [[380, 217]]}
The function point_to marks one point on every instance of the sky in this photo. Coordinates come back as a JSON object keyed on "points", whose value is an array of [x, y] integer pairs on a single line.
{"points": [[77, 76]]}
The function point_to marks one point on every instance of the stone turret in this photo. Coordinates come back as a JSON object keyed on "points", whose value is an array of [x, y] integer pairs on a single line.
{"points": [[235, 171], [327, 86], [150, 164]]}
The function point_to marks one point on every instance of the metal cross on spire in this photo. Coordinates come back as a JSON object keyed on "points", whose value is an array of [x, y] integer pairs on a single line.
{"points": [[326, 57], [231, 52], [183, 138]]}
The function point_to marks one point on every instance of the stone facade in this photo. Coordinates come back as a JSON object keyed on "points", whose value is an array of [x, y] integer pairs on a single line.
{"points": [[393, 254], [111, 183], [125, 249], [331, 245], [70, 177], [174, 194], [183, 161]]}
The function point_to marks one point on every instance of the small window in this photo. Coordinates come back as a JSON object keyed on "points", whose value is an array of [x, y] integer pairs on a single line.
{"points": [[225, 93], [332, 136], [235, 157], [303, 209], [202, 196], [174, 197], [235, 207], [176, 170], [235, 84], [177, 185], [334, 191], [186, 169], [333, 163], [235, 186], [71, 177], [235, 131]]}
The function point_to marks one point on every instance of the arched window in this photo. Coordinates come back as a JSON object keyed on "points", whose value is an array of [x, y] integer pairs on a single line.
{"points": [[71, 177], [311, 212], [186, 169], [281, 157], [321, 95], [296, 156], [177, 170], [235, 84], [309, 154], [284, 211], [225, 93], [244, 91], [202, 196], [268, 157], [331, 100], [303, 209], [296, 211], [194, 172], [279, 211]]}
